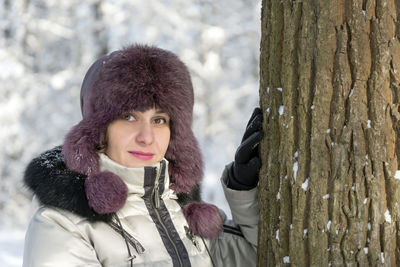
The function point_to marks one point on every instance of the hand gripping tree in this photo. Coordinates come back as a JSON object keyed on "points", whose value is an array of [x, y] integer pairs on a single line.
{"points": [[330, 92]]}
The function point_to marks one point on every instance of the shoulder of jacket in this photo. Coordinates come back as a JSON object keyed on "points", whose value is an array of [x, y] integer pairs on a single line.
{"points": [[58, 216], [50, 222]]}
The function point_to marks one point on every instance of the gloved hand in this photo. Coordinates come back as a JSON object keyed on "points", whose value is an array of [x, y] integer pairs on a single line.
{"points": [[243, 173]]}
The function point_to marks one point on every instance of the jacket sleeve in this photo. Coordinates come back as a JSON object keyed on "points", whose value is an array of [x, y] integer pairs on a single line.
{"points": [[237, 244], [52, 239]]}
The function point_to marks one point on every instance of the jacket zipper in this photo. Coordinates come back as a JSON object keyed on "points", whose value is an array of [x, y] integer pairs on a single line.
{"points": [[155, 196], [155, 189]]}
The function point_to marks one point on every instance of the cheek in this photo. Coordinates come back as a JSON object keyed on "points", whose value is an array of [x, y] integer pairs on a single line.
{"points": [[164, 138], [117, 139], [166, 143]]}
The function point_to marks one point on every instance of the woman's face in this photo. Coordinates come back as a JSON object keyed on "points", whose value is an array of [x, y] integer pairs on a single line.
{"points": [[139, 138]]}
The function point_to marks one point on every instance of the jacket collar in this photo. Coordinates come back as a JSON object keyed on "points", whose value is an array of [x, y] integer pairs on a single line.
{"points": [[134, 177]]}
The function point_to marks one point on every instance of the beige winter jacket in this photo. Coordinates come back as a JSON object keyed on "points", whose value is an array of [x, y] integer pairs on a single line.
{"points": [[57, 237]]}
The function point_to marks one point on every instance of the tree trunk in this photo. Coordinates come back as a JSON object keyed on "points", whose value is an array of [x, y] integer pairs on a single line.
{"points": [[330, 91]]}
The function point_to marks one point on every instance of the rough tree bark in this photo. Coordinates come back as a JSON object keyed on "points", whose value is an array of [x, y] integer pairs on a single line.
{"points": [[330, 92]]}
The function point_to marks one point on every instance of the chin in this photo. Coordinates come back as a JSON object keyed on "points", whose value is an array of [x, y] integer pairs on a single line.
{"points": [[136, 165], [140, 164]]}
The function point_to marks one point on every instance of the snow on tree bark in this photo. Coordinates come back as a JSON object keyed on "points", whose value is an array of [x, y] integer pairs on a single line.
{"points": [[331, 155]]}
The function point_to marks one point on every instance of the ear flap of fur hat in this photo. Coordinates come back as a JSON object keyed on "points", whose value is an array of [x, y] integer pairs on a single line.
{"points": [[79, 149], [184, 159]]}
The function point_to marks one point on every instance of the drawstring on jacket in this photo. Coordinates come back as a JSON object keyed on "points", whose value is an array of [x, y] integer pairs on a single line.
{"points": [[139, 248], [208, 251], [191, 236], [129, 240], [126, 240]]}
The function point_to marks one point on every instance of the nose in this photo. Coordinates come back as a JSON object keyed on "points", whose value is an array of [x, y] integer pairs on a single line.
{"points": [[145, 135]]}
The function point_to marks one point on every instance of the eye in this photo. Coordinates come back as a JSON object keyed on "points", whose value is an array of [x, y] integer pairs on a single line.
{"points": [[129, 117], [160, 120]]}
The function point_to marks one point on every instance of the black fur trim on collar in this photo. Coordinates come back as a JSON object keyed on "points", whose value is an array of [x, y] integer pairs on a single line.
{"points": [[56, 186]]}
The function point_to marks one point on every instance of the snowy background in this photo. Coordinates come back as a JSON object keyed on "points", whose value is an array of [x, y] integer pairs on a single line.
{"points": [[46, 47]]}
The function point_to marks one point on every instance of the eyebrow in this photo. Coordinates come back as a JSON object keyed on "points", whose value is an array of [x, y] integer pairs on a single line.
{"points": [[159, 111]]}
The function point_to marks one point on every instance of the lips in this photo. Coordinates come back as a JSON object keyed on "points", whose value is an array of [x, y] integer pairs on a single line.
{"points": [[142, 155]]}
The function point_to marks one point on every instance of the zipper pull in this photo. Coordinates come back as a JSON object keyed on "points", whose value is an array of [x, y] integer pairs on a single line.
{"points": [[192, 238], [157, 197], [130, 258], [156, 189]]}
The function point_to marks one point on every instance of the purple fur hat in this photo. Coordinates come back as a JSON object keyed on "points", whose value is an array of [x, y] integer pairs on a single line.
{"points": [[137, 77]]}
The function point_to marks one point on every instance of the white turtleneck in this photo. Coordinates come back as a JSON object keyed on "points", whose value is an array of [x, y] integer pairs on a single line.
{"points": [[134, 177]]}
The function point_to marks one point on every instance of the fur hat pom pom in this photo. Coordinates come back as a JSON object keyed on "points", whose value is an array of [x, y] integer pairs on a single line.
{"points": [[106, 192], [204, 219]]}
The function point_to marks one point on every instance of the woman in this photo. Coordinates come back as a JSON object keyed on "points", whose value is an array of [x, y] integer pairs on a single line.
{"points": [[123, 189]]}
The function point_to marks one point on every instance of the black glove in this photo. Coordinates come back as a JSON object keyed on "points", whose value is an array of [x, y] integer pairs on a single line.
{"points": [[243, 174]]}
